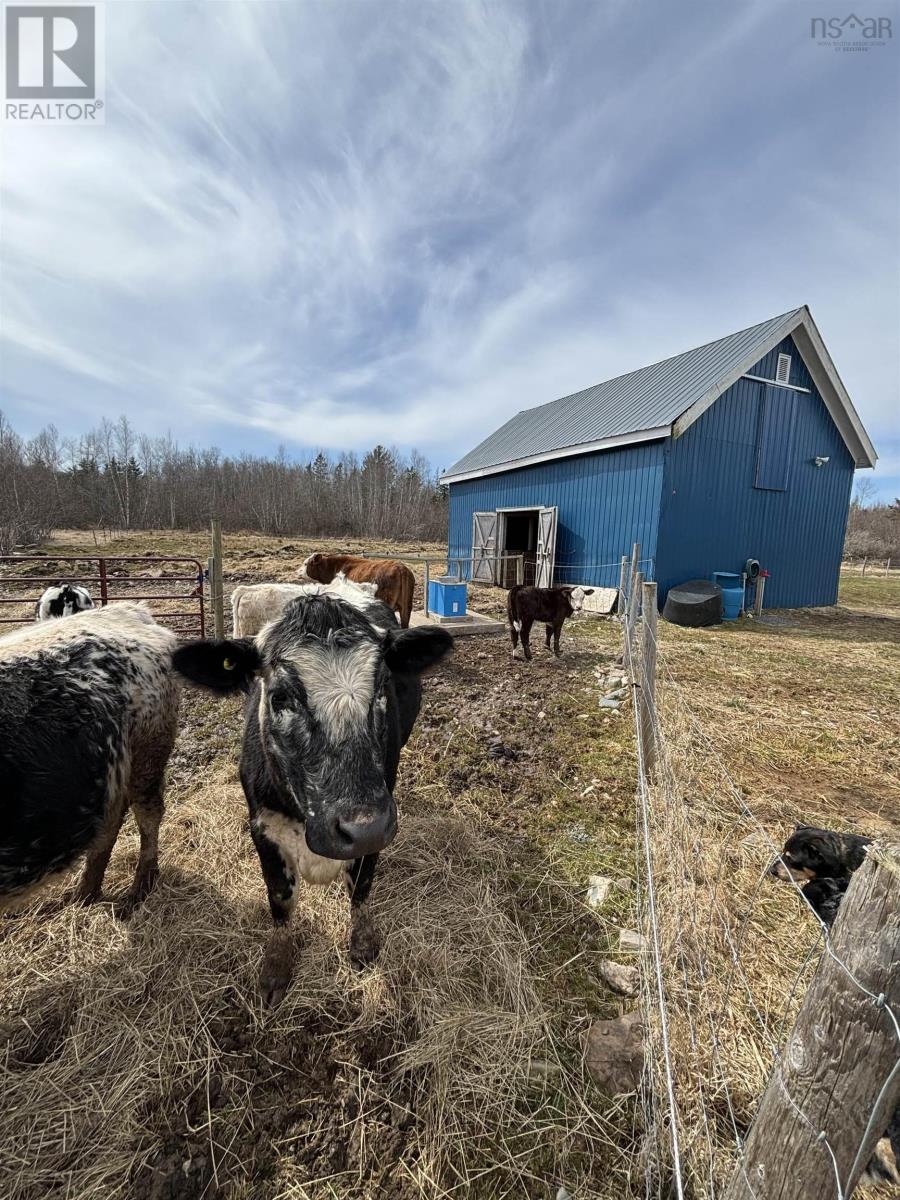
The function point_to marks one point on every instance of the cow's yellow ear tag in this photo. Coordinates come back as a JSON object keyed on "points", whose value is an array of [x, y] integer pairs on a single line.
{"points": [[228, 664]]}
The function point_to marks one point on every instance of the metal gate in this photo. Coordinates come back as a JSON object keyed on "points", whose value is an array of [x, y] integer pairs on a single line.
{"points": [[111, 583]]}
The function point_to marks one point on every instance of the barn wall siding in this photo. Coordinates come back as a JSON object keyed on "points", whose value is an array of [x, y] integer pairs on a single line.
{"points": [[606, 501], [713, 518]]}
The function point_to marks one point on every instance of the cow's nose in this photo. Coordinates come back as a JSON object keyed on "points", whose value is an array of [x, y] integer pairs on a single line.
{"points": [[366, 832]]}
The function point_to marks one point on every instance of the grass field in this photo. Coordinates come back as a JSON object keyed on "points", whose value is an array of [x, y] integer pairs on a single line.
{"points": [[139, 1062]]}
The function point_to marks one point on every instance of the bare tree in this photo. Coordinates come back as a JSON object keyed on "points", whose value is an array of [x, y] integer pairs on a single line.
{"points": [[114, 477]]}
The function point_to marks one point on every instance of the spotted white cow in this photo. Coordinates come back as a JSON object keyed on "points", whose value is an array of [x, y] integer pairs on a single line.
{"points": [[88, 715]]}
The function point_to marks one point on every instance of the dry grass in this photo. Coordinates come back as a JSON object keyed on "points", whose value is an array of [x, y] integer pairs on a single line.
{"points": [[142, 1064], [795, 719], [138, 1062]]}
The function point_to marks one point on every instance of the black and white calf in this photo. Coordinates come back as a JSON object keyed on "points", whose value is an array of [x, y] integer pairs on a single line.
{"points": [[62, 600], [333, 693], [525, 605], [88, 715]]}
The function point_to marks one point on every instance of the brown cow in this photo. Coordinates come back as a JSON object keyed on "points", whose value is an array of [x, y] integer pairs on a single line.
{"points": [[394, 581]]}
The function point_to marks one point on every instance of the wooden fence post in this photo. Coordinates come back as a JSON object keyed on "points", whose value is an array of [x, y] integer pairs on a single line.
{"points": [[840, 1064], [215, 581], [648, 675], [635, 564], [634, 611], [623, 577]]}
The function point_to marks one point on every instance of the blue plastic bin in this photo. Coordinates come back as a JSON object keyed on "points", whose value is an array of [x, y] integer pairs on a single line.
{"points": [[732, 593], [447, 597]]}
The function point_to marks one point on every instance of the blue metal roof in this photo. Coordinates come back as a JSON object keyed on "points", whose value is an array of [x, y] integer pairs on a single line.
{"points": [[648, 399]]}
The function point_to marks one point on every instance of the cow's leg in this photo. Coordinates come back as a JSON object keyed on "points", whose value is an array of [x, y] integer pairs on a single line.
{"points": [[514, 634], [557, 630], [364, 940], [281, 886], [148, 814], [548, 629], [525, 631], [147, 787], [91, 882]]}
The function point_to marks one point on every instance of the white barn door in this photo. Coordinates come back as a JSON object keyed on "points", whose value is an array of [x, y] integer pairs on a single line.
{"points": [[484, 547], [546, 547]]}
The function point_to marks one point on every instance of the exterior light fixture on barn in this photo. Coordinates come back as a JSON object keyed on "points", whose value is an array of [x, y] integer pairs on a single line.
{"points": [[707, 459]]}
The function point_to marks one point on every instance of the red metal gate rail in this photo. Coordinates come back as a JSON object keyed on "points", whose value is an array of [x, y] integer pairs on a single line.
{"points": [[181, 619]]}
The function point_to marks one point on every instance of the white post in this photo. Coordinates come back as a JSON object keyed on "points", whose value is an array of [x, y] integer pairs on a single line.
{"points": [[760, 589]]}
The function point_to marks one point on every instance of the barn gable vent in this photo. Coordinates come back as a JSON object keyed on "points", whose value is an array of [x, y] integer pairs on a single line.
{"points": [[783, 370]]}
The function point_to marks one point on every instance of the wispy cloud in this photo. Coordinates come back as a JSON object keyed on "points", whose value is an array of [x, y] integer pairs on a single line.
{"points": [[327, 225]]}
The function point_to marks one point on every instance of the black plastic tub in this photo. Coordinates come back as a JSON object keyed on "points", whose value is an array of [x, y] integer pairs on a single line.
{"points": [[694, 604]]}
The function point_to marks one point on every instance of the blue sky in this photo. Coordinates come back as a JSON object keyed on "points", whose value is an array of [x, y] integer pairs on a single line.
{"points": [[332, 224]]}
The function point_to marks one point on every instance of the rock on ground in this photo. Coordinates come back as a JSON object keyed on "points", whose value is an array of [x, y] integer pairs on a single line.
{"points": [[614, 1053], [620, 978]]}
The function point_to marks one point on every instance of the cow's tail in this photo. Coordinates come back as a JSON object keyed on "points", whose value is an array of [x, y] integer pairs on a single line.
{"points": [[512, 610]]}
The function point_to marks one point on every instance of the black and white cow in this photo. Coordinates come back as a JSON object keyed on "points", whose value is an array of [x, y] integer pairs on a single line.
{"points": [[88, 715], [525, 605], [62, 600], [333, 693]]}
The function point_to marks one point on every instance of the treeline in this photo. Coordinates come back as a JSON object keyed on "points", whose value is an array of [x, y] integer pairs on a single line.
{"points": [[873, 529], [115, 478]]}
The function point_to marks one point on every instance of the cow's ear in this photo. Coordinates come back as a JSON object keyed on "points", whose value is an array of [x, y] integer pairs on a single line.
{"points": [[412, 651], [588, 591], [227, 666]]}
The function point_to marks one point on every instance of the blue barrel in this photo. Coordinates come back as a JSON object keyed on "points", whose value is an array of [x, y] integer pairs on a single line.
{"points": [[732, 593]]}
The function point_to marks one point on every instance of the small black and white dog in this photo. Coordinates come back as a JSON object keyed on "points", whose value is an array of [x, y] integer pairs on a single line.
{"points": [[823, 860], [61, 601]]}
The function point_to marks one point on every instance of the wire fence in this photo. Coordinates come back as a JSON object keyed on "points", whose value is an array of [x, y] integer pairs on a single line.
{"points": [[872, 566], [574, 570], [728, 965]]}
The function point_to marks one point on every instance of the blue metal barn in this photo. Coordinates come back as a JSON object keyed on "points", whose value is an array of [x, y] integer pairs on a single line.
{"points": [[742, 448]]}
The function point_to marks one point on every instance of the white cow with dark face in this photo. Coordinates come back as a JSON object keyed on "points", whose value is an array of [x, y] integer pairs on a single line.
{"points": [[333, 693], [62, 600]]}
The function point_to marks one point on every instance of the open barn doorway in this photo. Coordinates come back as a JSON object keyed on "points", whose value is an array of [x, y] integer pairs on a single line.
{"points": [[518, 529], [503, 538]]}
